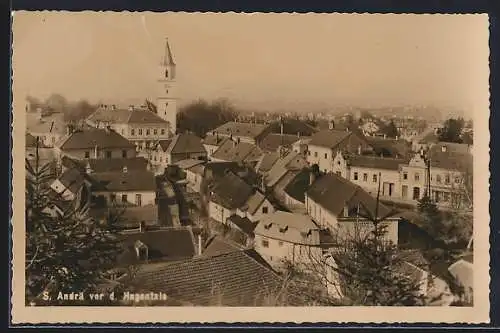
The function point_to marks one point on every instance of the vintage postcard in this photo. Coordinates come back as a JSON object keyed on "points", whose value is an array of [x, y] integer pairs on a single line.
{"points": [[204, 167]]}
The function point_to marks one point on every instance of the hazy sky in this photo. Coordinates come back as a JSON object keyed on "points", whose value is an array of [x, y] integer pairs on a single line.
{"points": [[258, 60]]}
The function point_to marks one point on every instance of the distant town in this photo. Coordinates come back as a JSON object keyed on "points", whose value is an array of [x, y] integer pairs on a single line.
{"points": [[204, 205]]}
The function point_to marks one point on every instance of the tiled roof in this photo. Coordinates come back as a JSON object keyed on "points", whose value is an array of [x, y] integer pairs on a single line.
{"points": [[329, 138], [333, 192], [375, 162], [243, 223], [164, 144], [164, 244], [250, 130], [391, 147], [125, 181], [236, 152], [293, 127], [125, 116], [230, 279], [273, 141], [89, 138], [451, 147], [452, 160], [214, 140], [298, 185], [231, 191], [280, 168], [189, 163], [266, 161], [185, 143], [72, 179], [216, 245], [254, 202], [290, 227], [117, 164]]}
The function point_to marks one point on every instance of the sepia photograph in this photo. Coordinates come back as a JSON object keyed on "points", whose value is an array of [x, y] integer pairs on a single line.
{"points": [[183, 167]]}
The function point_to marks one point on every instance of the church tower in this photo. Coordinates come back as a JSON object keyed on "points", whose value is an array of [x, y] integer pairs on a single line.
{"points": [[166, 101]]}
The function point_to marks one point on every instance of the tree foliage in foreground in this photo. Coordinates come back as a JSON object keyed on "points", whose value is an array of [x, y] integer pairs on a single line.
{"points": [[65, 251]]}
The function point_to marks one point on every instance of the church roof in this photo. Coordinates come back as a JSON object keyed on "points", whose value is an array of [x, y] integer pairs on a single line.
{"points": [[168, 59]]}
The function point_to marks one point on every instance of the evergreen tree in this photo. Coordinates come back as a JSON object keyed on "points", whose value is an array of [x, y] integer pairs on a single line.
{"points": [[391, 130], [370, 268], [66, 250]]}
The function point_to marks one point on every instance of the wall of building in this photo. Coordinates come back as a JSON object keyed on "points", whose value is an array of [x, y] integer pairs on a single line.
{"points": [[48, 139], [174, 158], [147, 197], [320, 215], [219, 213], [372, 180], [194, 180], [81, 154], [321, 156], [349, 227], [259, 213]]}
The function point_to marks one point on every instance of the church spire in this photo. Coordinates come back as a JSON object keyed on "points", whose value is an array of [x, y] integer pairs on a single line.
{"points": [[168, 59]]}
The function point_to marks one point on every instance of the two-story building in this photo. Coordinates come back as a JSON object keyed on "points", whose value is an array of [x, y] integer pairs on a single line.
{"points": [[283, 238], [365, 171], [95, 143], [325, 144], [138, 125], [338, 205], [181, 147]]}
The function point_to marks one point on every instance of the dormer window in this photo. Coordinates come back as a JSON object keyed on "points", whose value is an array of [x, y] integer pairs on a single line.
{"points": [[283, 230], [267, 226]]}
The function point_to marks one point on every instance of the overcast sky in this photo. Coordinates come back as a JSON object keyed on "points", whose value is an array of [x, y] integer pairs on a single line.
{"points": [[259, 60]]}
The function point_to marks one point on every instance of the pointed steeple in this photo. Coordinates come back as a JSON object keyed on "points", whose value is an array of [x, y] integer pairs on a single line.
{"points": [[168, 59]]}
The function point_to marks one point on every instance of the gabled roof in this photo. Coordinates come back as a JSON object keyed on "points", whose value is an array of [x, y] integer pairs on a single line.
{"points": [[237, 152], [214, 140], [125, 116], [329, 138], [243, 223], [391, 147], [188, 163], [164, 144], [117, 164], [164, 244], [452, 160], [72, 179], [231, 191], [333, 193], [266, 161], [89, 138], [216, 245], [230, 279], [281, 167], [273, 141], [460, 148], [249, 130], [254, 202], [31, 141], [185, 143], [293, 127], [298, 185], [290, 227], [125, 181], [375, 162]]}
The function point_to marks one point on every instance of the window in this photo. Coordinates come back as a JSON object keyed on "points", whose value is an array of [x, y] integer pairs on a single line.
{"points": [[438, 179], [457, 180], [265, 243], [53, 139], [405, 175], [315, 154], [138, 199], [108, 154], [404, 191], [417, 177], [162, 131], [338, 173], [124, 198], [87, 154], [374, 178], [355, 176], [416, 193], [309, 153], [124, 153], [365, 177], [147, 131], [140, 131], [265, 210], [280, 243], [112, 197], [155, 131], [447, 179], [326, 156], [132, 131]]}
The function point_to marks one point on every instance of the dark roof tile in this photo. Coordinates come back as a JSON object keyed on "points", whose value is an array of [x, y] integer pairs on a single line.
{"points": [[89, 138]]}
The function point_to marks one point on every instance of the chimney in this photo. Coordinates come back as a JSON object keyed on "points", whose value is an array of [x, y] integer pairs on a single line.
{"points": [[443, 148], [298, 135], [281, 127], [95, 151], [199, 244], [346, 210]]}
